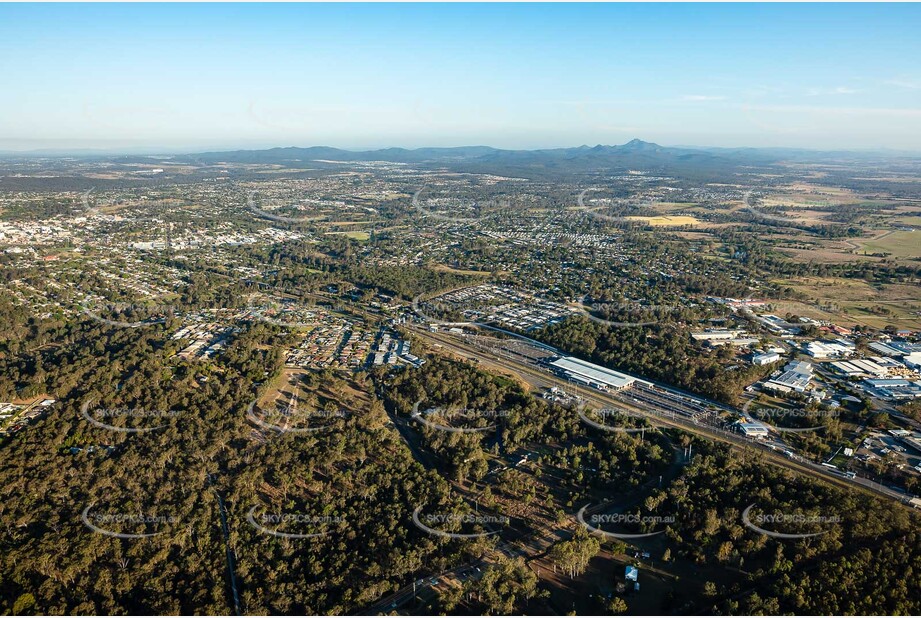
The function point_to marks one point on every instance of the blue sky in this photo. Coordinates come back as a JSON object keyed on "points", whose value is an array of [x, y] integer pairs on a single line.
{"points": [[186, 77]]}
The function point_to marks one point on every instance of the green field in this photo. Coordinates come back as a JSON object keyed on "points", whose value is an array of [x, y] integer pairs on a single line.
{"points": [[898, 244], [356, 235]]}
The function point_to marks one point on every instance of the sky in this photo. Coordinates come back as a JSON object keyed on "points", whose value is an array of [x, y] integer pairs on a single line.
{"points": [[184, 77]]}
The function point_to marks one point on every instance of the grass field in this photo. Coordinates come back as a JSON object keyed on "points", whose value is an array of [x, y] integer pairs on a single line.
{"points": [[356, 235], [851, 302], [899, 244], [458, 271]]}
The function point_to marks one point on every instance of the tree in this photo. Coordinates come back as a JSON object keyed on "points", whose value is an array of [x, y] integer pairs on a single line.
{"points": [[574, 555], [617, 606]]}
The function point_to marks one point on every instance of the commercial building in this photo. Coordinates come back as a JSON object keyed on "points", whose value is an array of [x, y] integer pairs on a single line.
{"points": [[839, 348], [885, 349], [591, 375], [777, 325], [911, 441], [752, 429], [795, 377], [858, 367], [716, 335], [765, 359], [894, 389]]}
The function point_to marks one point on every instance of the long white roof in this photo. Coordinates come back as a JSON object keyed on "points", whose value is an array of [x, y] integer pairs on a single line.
{"points": [[593, 372]]}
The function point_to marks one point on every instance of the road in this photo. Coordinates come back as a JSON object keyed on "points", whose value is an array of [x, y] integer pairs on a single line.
{"points": [[231, 559]]}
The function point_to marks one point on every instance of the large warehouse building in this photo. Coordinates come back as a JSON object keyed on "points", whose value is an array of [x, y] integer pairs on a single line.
{"points": [[592, 375]]}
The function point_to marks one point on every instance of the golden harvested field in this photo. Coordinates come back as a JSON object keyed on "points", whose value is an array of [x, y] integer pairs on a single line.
{"points": [[669, 206], [666, 221]]}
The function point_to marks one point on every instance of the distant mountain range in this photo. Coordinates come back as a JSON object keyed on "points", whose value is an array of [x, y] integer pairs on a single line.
{"points": [[551, 164], [634, 149], [635, 154]]}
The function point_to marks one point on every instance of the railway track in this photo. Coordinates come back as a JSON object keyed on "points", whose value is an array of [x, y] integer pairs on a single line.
{"points": [[538, 377]]}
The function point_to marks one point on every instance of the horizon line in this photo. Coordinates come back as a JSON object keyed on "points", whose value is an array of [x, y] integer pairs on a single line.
{"points": [[52, 152]]}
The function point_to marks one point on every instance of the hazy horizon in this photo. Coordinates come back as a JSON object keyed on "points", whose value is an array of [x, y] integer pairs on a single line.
{"points": [[65, 151]]}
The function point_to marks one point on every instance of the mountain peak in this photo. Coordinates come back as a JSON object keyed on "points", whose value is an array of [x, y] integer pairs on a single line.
{"points": [[638, 144]]}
